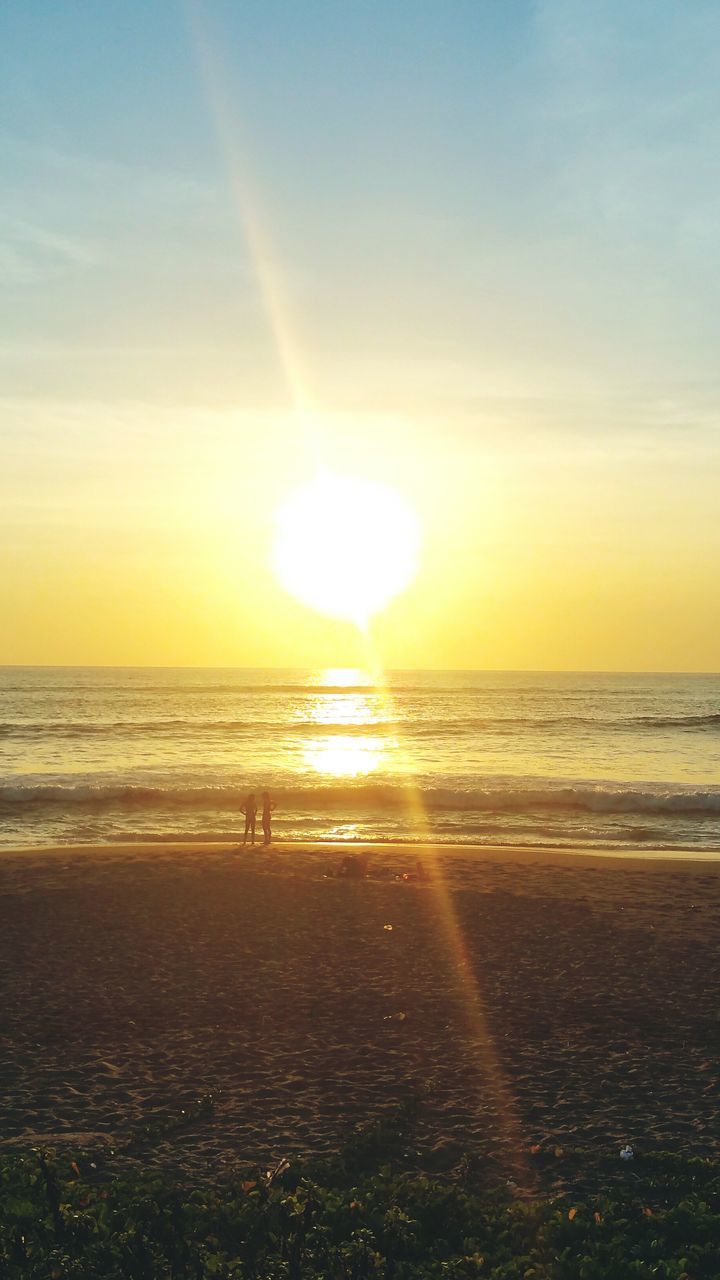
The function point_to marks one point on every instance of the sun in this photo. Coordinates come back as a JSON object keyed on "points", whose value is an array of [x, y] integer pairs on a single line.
{"points": [[346, 546]]}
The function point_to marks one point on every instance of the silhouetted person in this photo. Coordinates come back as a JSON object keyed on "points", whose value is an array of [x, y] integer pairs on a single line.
{"points": [[267, 812], [354, 866], [249, 808]]}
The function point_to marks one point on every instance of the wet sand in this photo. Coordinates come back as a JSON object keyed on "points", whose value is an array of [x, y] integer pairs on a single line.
{"points": [[540, 1002]]}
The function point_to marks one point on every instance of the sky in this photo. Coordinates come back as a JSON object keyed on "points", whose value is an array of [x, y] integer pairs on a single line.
{"points": [[464, 248]]}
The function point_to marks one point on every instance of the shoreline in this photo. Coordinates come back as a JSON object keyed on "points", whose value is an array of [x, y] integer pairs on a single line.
{"points": [[667, 859]]}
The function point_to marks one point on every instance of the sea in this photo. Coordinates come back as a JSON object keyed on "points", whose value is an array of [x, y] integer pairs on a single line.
{"points": [[611, 761]]}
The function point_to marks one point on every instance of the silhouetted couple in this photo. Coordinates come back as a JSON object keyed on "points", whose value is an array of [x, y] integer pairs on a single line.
{"points": [[249, 808]]}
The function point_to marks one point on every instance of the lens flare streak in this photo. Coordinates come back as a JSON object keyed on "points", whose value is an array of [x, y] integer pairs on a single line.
{"points": [[490, 1080]]}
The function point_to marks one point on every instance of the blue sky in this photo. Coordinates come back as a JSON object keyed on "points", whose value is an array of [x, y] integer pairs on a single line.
{"points": [[524, 190], [490, 227]]}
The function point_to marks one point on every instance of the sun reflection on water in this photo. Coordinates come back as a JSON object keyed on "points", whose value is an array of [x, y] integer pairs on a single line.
{"points": [[351, 709], [346, 755], [341, 678]]}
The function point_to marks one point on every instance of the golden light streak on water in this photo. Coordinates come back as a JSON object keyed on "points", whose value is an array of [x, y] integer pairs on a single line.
{"points": [[349, 755], [345, 757], [343, 678]]}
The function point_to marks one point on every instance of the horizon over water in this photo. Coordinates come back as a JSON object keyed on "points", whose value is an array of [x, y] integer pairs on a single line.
{"points": [[554, 759]]}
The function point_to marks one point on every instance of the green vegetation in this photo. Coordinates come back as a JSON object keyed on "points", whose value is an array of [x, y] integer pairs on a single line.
{"points": [[353, 1217]]}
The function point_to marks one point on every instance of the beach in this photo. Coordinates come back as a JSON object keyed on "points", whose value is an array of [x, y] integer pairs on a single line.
{"points": [[533, 1004]]}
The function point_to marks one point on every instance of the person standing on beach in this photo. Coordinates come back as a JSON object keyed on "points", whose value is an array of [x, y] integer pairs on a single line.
{"points": [[249, 808], [267, 812]]}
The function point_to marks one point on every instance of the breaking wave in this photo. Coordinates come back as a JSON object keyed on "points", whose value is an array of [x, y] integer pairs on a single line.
{"points": [[508, 796]]}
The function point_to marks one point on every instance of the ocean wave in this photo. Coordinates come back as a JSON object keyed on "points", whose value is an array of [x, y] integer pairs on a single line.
{"points": [[352, 797], [183, 728], [190, 690], [390, 686], [410, 728], [710, 720]]}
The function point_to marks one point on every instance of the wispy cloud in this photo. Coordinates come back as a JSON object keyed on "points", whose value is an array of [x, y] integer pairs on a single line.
{"points": [[30, 253]]}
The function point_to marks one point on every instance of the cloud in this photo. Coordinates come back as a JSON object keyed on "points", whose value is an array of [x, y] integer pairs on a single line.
{"points": [[30, 254]]}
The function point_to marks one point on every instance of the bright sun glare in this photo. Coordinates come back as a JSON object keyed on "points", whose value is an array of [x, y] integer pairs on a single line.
{"points": [[345, 546]]}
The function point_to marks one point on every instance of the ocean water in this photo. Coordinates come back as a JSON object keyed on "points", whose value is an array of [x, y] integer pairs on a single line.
{"points": [[525, 758]]}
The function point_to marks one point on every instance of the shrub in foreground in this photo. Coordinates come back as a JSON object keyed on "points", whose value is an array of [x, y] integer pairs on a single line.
{"points": [[60, 1221]]}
